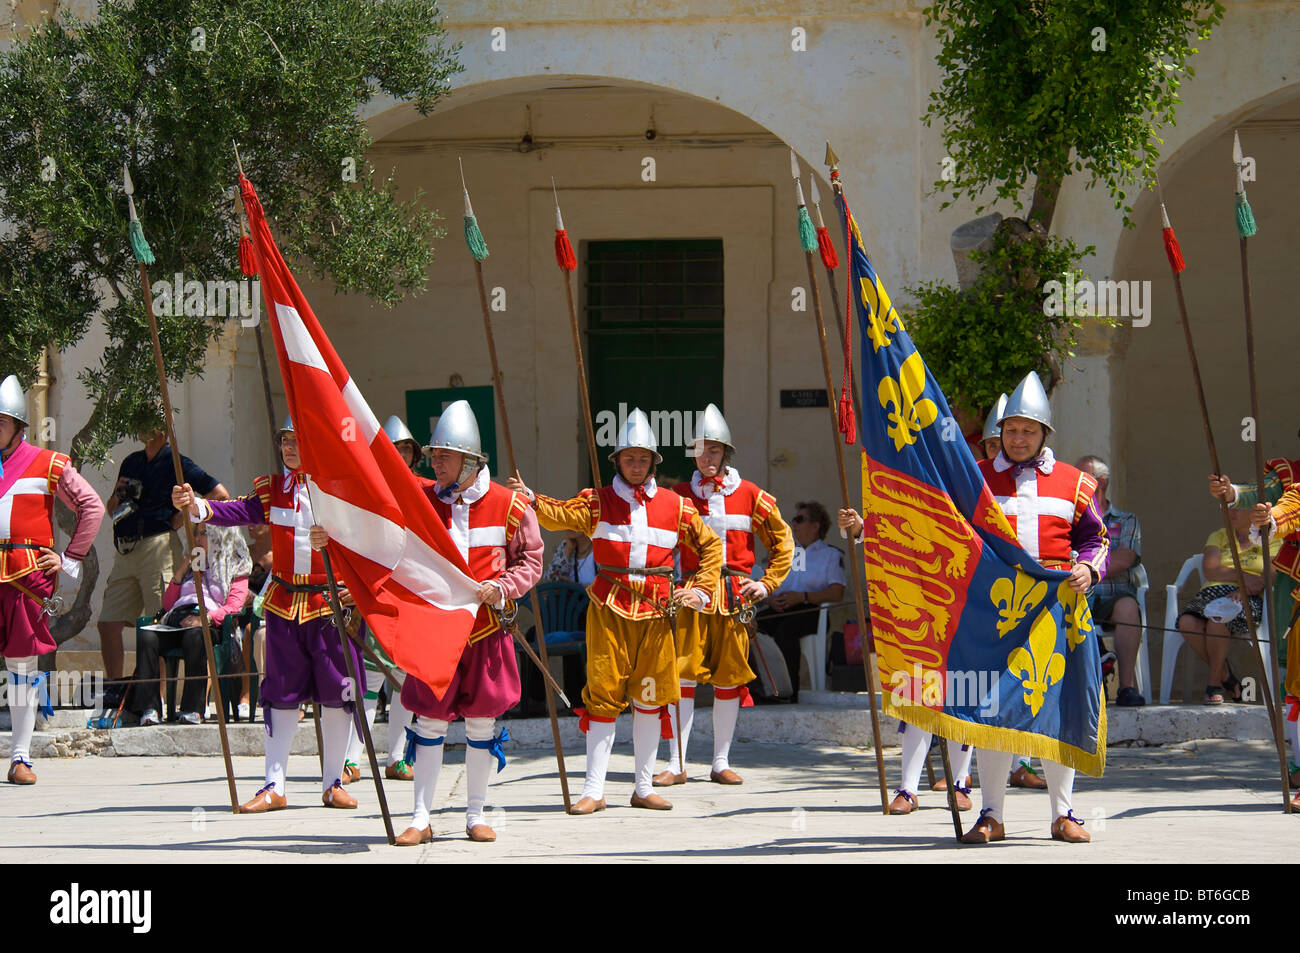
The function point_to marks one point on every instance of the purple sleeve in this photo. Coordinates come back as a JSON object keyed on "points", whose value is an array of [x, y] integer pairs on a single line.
{"points": [[523, 558], [73, 490], [1090, 540], [245, 511]]}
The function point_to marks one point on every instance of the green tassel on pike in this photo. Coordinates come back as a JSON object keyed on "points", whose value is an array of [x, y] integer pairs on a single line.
{"points": [[1245, 217], [807, 234], [474, 239], [143, 253]]}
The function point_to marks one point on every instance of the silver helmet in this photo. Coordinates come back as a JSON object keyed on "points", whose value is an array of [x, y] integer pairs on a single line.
{"points": [[13, 402], [992, 423], [397, 431], [1028, 400], [286, 427], [713, 426], [458, 430], [637, 434]]}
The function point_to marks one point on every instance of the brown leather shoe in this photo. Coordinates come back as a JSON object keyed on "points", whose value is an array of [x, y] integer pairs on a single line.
{"points": [[652, 802], [1070, 829], [903, 803], [399, 771], [481, 834], [963, 802], [942, 784], [20, 772], [350, 773], [588, 805], [413, 837], [725, 776], [263, 801], [666, 779], [337, 797], [986, 830], [1022, 777]]}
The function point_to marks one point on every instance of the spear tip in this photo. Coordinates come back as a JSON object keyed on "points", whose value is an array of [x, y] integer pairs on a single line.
{"points": [[832, 159], [794, 165], [238, 162], [1236, 147], [127, 184]]}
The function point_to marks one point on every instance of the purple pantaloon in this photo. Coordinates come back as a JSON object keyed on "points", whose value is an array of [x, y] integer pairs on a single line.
{"points": [[486, 684], [304, 663], [24, 628]]}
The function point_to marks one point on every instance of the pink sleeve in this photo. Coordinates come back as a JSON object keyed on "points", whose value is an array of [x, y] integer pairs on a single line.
{"points": [[234, 599], [523, 558], [170, 594], [73, 490]]}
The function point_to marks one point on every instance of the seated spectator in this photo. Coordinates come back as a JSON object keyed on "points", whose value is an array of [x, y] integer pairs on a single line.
{"points": [[1207, 622], [817, 575], [573, 561], [1113, 601], [225, 584]]}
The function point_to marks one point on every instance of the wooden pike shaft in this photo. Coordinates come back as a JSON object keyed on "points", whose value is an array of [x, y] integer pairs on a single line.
{"points": [[1275, 713], [582, 379], [839, 324], [542, 663], [844, 495], [951, 786], [358, 707], [189, 530], [1227, 521]]}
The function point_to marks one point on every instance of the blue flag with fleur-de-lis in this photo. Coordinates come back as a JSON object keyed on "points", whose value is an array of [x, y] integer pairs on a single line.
{"points": [[976, 641]]}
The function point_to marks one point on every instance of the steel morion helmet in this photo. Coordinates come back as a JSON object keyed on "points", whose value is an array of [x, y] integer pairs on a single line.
{"points": [[286, 427], [713, 426], [13, 403], [458, 430], [397, 431], [993, 422], [1029, 400], [637, 435]]}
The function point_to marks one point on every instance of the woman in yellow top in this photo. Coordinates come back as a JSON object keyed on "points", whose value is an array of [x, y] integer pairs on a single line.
{"points": [[1208, 621]]}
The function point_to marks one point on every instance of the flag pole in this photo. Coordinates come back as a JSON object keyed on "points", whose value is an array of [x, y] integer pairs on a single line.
{"points": [[806, 228], [358, 708], [826, 251], [1176, 266], [144, 257], [248, 265], [478, 251], [1246, 228], [568, 262]]}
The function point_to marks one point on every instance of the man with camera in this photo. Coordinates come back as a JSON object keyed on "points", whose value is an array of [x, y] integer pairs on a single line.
{"points": [[144, 524]]}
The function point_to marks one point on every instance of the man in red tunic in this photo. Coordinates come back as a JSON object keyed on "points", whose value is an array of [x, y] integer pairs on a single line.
{"points": [[30, 479]]}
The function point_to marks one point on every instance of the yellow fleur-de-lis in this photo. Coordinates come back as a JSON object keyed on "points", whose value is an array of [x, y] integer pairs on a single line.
{"points": [[907, 415], [1041, 665], [882, 319], [1015, 600], [1077, 618]]}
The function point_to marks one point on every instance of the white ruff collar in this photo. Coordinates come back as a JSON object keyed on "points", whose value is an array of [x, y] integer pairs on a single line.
{"points": [[730, 484], [625, 492], [472, 493], [1047, 461]]}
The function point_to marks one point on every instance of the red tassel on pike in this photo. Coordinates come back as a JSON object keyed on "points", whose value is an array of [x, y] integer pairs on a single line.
{"points": [[848, 425], [246, 263], [1172, 250], [564, 256], [827, 249]]}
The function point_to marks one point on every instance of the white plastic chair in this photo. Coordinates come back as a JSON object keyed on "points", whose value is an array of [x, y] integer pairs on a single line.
{"points": [[812, 648], [1174, 640], [1142, 665]]}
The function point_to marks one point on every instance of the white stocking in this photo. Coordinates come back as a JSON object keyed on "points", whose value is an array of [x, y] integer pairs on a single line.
{"points": [[645, 745], [334, 723], [24, 699], [398, 720], [1060, 787], [600, 742], [479, 765], [960, 760], [725, 714], [916, 745], [279, 741], [356, 744], [428, 762], [688, 718], [995, 766]]}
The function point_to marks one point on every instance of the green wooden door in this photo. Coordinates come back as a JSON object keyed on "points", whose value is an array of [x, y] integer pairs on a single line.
{"points": [[654, 316], [424, 407]]}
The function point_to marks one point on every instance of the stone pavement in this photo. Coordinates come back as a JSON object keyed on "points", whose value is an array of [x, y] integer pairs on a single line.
{"points": [[1179, 803]]}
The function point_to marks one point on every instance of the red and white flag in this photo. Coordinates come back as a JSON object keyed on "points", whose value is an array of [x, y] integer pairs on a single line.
{"points": [[386, 543]]}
